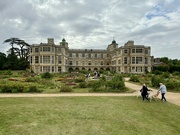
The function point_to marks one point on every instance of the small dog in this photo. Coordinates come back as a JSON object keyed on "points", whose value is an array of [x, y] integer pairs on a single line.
{"points": [[138, 93], [154, 97]]}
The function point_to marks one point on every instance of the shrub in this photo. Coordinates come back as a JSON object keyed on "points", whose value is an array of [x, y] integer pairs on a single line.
{"points": [[103, 78], [117, 77], [90, 83], [80, 79], [166, 75], [155, 80], [134, 78], [46, 75], [47, 83], [82, 85], [96, 86], [65, 89], [176, 73], [5, 88], [8, 72], [33, 89], [12, 88], [173, 85], [116, 86], [32, 79], [157, 72]]}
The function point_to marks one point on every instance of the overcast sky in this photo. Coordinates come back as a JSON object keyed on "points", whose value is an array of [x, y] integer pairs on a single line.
{"points": [[93, 24]]}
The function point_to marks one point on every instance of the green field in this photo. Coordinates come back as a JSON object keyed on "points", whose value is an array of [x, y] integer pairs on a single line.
{"points": [[87, 116]]}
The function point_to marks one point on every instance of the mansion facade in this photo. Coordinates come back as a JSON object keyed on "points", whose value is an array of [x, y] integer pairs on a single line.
{"points": [[130, 58]]}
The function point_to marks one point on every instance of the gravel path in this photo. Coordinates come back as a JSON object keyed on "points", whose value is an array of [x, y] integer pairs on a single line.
{"points": [[171, 97]]}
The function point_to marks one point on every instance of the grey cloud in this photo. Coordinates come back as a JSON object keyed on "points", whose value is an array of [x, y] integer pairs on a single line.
{"points": [[89, 23]]}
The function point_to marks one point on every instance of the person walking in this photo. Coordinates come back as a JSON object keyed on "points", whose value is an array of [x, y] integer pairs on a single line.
{"points": [[144, 92], [163, 91]]}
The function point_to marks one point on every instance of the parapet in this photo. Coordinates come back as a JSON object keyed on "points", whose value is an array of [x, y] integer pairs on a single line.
{"points": [[129, 43], [50, 41]]}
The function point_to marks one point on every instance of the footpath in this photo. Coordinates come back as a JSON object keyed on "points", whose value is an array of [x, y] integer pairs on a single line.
{"points": [[170, 96]]}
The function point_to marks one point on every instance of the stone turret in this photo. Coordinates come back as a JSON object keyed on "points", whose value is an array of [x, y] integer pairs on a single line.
{"points": [[112, 46], [64, 52], [64, 43]]}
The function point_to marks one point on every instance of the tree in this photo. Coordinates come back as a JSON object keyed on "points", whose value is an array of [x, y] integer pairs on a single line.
{"points": [[165, 60], [2, 60], [20, 54], [12, 62], [12, 41], [24, 49]]}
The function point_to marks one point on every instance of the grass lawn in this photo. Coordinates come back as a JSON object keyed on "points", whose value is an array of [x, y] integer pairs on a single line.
{"points": [[87, 116]]}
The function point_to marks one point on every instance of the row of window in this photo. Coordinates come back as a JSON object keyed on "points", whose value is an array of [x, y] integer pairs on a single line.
{"points": [[134, 69], [136, 60], [84, 63], [44, 69], [132, 51], [49, 49], [102, 56], [49, 59], [89, 55], [45, 49], [137, 51], [46, 59], [137, 69]]}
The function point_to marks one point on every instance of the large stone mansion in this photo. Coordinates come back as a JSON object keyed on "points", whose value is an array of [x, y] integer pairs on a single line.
{"points": [[130, 58]]}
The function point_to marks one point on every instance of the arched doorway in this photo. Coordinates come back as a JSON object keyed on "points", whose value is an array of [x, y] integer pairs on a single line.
{"points": [[70, 69]]}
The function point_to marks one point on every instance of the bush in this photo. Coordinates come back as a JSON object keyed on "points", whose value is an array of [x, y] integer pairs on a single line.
{"points": [[47, 83], [82, 85], [46, 75], [8, 72], [166, 75], [103, 78], [116, 86], [33, 89], [134, 78], [173, 85], [96, 86], [80, 79], [32, 79], [90, 83], [65, 89], [155, 80], [176, 73], [12, 88], [157, 72]]}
